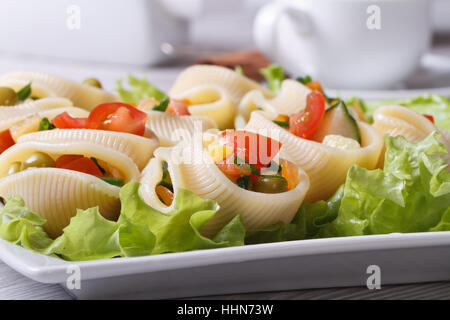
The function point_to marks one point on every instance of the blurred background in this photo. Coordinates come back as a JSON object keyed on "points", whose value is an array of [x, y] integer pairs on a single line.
{"points": [[160, 37]]}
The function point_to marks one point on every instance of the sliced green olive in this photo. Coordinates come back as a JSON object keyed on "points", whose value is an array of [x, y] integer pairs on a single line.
{"points": [[15, 167], [272, 184], [92, 82], [38, 160], [8, 97]]}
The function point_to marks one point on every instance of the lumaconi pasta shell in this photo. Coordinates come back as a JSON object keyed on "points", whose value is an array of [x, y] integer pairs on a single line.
{"points": [[210, 101], [50, 114], [326, 166], [125, 166], [234, 84], [413, 126], [398, 120], [291, 99], [56, 194], [29, 107], [138, 148], [170, 129], [38, 90], [83, 96], [206, 180]]}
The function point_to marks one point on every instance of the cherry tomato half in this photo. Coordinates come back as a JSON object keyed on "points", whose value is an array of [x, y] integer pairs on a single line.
{"points": [[178, 107], [6, 140], [254, 148], [78, 163], [65, 121], [306, 123], [429, 117], [233, 171], [117, 116]]}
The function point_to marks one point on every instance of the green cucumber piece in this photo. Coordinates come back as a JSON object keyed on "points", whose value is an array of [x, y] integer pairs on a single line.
{"points": [[338, 121]]}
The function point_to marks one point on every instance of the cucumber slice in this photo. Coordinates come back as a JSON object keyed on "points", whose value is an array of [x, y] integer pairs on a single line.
{"points": [[338, 121]]}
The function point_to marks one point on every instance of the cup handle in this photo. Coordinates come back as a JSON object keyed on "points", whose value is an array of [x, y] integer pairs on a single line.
{"points": [[265, 27]]}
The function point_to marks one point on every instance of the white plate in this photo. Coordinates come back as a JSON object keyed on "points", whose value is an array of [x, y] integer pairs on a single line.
{"points": [[336, 262], [387, 94]]}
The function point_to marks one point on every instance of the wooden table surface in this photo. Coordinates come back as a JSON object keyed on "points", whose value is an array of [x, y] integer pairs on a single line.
{"points": [[15, 286]]}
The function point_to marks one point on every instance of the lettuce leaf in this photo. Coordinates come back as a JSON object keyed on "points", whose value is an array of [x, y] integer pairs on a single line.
{"points": [[411, 194], [23, 227], [431, 104], [89, 236], [139, 89], [140, 230], [178, 230], [308, 223], [274, 76]]}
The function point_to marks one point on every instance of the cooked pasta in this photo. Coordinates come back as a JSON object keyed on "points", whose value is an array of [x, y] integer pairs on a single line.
{"points": [[139, 149], [326, 166], [402, 121], [235, 84], [291, 99], [203, 177], [56, 193], [211, 101], [170, 129], [29, 107], [82, 95]]}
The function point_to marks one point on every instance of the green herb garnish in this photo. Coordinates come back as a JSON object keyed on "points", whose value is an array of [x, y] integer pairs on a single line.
{"points": [[45, 124], [284, 124], [238, 69], [24, 93], [163, 104], [255, 170], [274, 76], [114, 181], [305, 80], [99, 166]]}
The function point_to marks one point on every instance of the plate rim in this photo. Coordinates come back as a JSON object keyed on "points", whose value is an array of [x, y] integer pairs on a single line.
{"points": [[53, 270]]}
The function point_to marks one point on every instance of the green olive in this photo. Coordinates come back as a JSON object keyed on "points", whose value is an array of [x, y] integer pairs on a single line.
{"points": [[38, 160], [93, 82], [15, 167], [8, 97], [272, 184]]}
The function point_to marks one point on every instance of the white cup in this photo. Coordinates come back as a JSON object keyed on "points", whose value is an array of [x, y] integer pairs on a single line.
{"points": [[120, 31], [346, 44]]}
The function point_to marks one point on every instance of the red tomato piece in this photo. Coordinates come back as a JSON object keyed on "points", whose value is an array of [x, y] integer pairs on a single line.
{"points": [[62, 161], [65, 121], [233, 171], [429, 117], [6, 140], [306, 123], [254, 148], [78, 163], [117, 116], [178, 107]]}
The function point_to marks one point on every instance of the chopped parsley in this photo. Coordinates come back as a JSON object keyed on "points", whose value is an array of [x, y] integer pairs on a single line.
{"points": [[45, 124], [284, 124], [24, 93], [163, 104]]}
